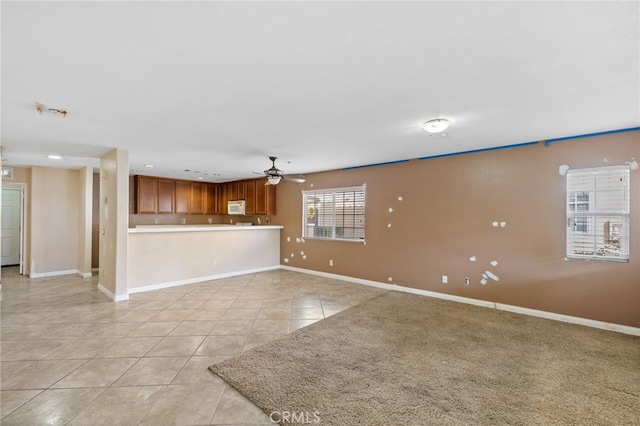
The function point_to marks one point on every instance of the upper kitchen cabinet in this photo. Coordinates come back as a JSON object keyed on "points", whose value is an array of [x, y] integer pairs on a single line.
{"points": [[166, 195], [211, 198], [260, 199], [240, 189], [171, 196], [197, 198], [224, 192], [154, 195], [234, 190], [183, 197], [265, 198], [250, 197], [146, 195]]}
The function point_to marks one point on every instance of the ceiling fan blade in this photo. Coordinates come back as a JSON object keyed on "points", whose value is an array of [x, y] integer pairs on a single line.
{"points": [[295, 178]]}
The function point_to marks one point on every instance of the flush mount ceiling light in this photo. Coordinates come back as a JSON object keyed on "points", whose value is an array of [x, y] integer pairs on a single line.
{"points": [[437, 125]]}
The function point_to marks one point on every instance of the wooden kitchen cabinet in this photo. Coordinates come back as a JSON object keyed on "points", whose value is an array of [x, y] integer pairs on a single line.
{"points": [[183, 197], [166, 195], [171, 196], [265, 198], [223, 197], [146, 195], [250, 197], [197, 198], [211, 198], [234, 190], [240, 190]]}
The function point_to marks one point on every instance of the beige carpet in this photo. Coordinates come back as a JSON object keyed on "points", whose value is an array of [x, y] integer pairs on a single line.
{"points": [[403, 359]]}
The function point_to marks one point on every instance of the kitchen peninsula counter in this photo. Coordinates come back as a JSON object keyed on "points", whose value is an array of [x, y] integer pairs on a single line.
{"points": [[161, 256], [141, 229]]}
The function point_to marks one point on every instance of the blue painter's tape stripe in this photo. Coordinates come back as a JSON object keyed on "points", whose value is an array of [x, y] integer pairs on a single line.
{"points": [[479, 150], [588, 135], [376, 164]]}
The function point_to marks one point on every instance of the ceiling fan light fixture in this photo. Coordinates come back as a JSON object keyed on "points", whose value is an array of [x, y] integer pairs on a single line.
{"points": [[274, 180], [437, 125], [275, 175]]}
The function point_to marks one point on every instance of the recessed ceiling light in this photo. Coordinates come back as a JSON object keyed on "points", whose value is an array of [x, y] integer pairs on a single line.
{"points": [[148, 165], [200, 178], [437, 125], [54, 157]]}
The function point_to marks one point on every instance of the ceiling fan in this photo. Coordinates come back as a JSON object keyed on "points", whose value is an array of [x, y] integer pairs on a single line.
{"points": [[274, 175]]}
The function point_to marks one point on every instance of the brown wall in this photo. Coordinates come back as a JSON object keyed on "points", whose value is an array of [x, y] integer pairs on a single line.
{"points": [[446, 216]]}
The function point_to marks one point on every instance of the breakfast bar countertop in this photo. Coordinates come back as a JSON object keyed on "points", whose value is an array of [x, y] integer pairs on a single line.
{"points": [[140, 229]]}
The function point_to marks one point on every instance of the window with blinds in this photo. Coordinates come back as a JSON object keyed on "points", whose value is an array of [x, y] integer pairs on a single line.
{"points": [[336, 214], [598, 213]]}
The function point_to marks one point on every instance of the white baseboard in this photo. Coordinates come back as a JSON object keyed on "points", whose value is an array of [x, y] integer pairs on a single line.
{"points": [[112, 296], [58, 273], [169, 284], [52, 273], [625, 329]]}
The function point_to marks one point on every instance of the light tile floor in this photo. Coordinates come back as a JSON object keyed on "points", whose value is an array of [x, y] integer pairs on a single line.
{"points": [[69, 355]]}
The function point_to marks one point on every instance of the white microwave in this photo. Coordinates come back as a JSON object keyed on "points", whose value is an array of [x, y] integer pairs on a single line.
{"points": [[236, 207]]}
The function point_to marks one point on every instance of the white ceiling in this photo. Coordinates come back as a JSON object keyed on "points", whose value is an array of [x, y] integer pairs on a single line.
{"points": [[216, 87]]}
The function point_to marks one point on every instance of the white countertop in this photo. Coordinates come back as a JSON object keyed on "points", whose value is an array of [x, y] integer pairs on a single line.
{"points": [[141, 229]]}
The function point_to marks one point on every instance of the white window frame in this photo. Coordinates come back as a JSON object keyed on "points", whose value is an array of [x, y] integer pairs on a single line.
{"points": [[312, 211], [598, 210]]}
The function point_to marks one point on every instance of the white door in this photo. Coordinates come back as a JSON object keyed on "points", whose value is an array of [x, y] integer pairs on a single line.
{"points": [[11, 201]]}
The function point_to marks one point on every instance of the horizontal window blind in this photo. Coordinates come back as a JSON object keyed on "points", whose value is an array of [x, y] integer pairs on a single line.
{"points": [[598, 213], [336, 213]]}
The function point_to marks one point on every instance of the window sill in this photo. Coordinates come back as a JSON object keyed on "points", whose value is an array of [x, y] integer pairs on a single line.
{"points": [[599, 258]]}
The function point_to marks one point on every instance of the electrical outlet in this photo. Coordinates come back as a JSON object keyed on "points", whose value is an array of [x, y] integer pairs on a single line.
{"points": [[445, 279], [467, 281], [215, 262], [330, 262]]}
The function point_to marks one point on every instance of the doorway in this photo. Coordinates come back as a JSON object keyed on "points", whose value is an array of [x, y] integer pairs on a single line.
{"points": [[12, 226]]}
